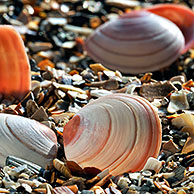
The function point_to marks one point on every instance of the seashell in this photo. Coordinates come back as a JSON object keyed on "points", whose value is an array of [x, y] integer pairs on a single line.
{"points": [[144, 40], [62, 190], [62, 168], [182, 16], [185, 121], [14, 58], [27, 139], [178, 101], [153, 164], [109, 132]]}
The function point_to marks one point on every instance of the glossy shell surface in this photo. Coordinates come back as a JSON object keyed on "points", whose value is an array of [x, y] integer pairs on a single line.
{"points": [[136, 42], [15, 77], [118, 132], [27, 139], [182, 16]]}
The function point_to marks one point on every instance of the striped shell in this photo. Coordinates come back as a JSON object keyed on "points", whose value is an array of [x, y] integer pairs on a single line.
{"points": [[27, 139], [141, 41], [15, 74], [182, 16], [118, 131]]}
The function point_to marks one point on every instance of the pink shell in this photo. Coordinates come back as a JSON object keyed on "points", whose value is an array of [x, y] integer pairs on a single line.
{"points": [[27, 139], [136, 42], [119, 132], [182, 16]]}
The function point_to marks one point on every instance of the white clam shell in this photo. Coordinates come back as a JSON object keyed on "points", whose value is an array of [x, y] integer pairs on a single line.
{"points": [[118, 132], [136, 42], [27, 139]]}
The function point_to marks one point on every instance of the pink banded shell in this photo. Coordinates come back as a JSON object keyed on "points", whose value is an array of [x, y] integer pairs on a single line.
{"points": [[182, 16], [119, 132], [27, 139], [136, 42]]}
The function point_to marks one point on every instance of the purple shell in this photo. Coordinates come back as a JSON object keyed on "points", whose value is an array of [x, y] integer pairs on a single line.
{"points": [[136, 42]]}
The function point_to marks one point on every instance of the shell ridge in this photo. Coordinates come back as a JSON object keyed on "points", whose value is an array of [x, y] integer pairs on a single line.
{"points": [[133, 55], [121, 157], [134, 68], [16, 79], [31, 147], [84, 112], [4, 76], [115, 166]]}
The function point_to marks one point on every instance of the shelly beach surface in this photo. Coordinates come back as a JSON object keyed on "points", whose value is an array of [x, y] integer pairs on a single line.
{"points": [[64, 79]]}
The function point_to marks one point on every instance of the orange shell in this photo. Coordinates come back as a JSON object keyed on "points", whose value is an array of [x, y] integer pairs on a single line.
{"points": [[15, 78]]}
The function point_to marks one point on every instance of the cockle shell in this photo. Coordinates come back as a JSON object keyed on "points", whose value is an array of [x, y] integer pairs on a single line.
{"points": [[27, 139], [118, 132], [142, 41], [15, 74]]}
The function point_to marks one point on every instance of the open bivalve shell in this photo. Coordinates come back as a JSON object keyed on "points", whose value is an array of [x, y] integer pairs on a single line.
{"points": [[144, 40], [118, 132], [27, 139]]}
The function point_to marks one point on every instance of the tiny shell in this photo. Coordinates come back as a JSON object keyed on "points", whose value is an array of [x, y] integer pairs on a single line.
{"points": [[110, 131], [27, 139], [153, 164], [178, 101]]}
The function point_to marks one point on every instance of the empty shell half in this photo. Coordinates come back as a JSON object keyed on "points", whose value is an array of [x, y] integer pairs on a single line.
{"points": [[118, 132], [136, 42], [27, 139], [15, 74]]}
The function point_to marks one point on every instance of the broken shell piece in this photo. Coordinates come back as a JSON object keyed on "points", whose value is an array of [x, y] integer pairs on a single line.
{"points": [[99, 92], [98, 67], [98, 189], [66, 88], [153, 90], [123, 182], [178, 78], [153, 164], [62, 190], [110, 131], [170, 146], [186, 121], [62, 168], [27, 139], [178, 101]]}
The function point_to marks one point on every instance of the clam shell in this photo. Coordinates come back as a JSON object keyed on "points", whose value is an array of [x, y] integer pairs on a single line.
{"points": [[182, 16], [118, 132], [27, 139], [15, 74], [136, 42]]}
